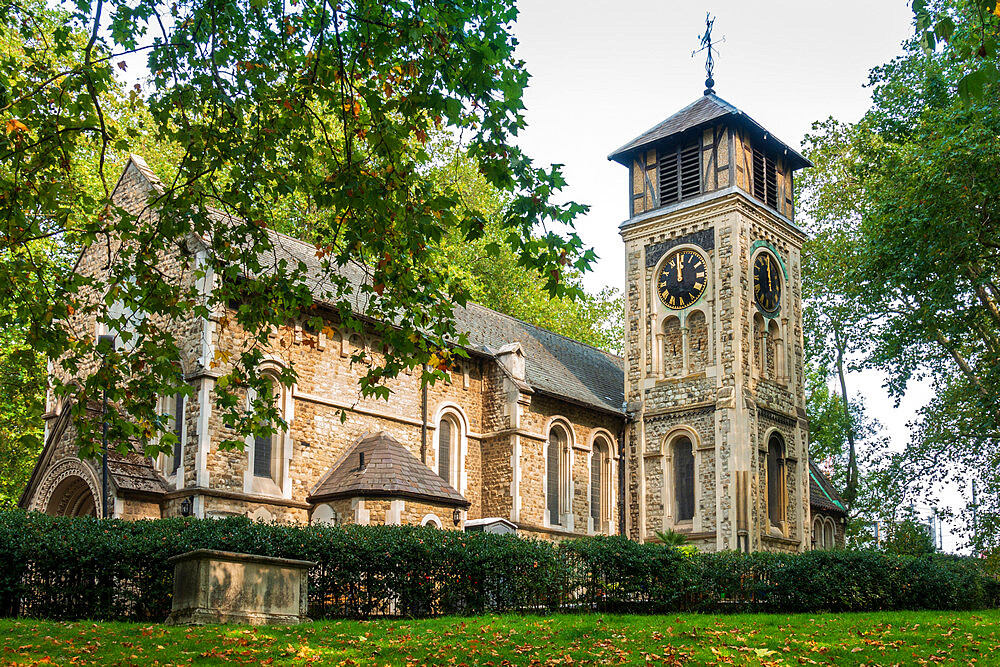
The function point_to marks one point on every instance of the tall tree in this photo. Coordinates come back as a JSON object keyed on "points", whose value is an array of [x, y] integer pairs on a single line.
{"points": [[919, 185], [497, 279], [329, 105]]}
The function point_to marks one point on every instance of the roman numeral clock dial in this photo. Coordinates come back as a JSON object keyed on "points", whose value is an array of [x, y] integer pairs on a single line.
{"points": [[682, 280], [767, 276]]}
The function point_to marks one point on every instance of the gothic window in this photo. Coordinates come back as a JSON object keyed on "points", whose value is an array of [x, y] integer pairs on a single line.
{"points": [[673, 348], [600, 486], [697, 327], [680, 173], [759, 343], [449, 449], [683, 458], [818, 536], [555, 475], [173, 409], [123, 321], [775, 480], [773, 350], [765, 179], [267, 447], [829, 534]]}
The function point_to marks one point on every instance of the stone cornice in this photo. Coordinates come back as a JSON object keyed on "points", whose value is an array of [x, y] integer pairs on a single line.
{"points": [[701, 209], [777, 417], [235, 495], [704, 208], [679, 411]]}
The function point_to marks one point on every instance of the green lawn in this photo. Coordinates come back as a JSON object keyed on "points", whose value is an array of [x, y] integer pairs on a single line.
{"points": [[905, 638]]}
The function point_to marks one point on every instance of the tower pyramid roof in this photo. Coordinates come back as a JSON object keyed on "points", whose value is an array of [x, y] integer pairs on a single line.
{"points": [[703, 111]]}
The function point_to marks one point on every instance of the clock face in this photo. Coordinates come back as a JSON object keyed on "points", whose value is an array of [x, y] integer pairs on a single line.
{"points": [[682, 279], [767, 276]]}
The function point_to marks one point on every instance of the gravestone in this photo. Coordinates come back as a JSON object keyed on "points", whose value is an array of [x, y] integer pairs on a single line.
{"points": [[223, 587]]}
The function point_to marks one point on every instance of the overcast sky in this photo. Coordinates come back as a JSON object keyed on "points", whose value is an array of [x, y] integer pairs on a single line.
{"points": [[604, 72]]}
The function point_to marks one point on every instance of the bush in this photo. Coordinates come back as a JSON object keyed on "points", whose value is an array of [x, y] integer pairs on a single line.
{"points": [[64, 568]]}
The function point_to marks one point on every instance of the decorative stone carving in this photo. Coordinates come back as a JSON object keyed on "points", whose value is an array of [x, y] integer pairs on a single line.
{"points": [[57, 473]]}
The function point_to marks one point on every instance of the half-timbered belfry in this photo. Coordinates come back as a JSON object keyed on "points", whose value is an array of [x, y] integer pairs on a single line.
{"points": [[714, 362]]}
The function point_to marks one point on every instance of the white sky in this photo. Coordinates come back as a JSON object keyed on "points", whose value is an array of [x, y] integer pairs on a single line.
{"points": [[604, 72]]}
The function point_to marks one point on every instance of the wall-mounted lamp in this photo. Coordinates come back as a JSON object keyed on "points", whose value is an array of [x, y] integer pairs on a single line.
{"points": [[187, 505], [456, 516]]}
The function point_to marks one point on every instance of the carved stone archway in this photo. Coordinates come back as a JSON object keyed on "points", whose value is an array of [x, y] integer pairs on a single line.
{"points": [[69, 488]]}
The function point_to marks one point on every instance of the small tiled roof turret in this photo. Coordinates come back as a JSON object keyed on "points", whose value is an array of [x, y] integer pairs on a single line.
{"points": [[377, 466]]}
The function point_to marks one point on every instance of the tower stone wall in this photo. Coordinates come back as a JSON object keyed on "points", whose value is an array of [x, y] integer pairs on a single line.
{"points": [[714, 375]]}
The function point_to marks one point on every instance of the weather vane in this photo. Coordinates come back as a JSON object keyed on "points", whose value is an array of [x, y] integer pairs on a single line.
{"points": [[706, 45]]}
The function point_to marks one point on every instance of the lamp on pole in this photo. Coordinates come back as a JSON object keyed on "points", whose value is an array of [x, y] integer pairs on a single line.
{"points": [[108, 342]]}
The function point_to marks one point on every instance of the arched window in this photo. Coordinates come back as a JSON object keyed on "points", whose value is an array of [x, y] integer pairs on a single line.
{"points": [[683, 456], [773, 370], [829, 534], [673, 348], [555, 475], [818, 536], [775, 480], [697, 327], [173, 409], [599, 499], [123, 321], [267, 452], [448, 449]]}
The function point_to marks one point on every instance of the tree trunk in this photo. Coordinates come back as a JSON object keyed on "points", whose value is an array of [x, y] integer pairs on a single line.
{"points": [[851, 488]]}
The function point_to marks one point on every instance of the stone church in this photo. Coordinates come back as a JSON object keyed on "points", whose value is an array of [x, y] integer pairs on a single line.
{"points": [[701, 427]]}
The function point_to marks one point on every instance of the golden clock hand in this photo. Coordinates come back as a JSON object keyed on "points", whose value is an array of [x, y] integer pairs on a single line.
{"points": [[677, 262], [767, 263]]}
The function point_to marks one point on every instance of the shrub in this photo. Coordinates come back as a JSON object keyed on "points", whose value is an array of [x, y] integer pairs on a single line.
{"points": [[63, 568]]}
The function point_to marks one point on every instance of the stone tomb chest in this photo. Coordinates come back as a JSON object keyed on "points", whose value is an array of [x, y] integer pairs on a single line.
{"points": [[224, 587]]}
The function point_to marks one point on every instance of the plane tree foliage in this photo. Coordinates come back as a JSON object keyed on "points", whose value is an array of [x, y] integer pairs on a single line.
{"points": [[906, 204], [264, 110]]}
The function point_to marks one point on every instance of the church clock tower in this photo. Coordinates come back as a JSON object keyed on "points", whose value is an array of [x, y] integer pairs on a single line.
{"points": [[718, 445]]}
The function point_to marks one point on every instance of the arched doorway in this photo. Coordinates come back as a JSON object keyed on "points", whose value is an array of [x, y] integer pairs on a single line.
{"points": [[69, 487], [72, 497]]}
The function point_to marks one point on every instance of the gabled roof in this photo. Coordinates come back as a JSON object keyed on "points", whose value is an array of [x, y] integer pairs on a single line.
{"points": [[389, 471], [131, 473], [702, 111], [554, 364], [822, 495]]}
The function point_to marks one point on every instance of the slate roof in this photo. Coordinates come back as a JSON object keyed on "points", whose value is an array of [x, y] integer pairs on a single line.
{"points": [[822, 496], [554, 364], [702, 111], [390, 471], [135, 473]]}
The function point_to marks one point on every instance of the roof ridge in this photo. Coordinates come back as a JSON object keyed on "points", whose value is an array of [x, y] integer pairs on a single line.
{"points": [[307, 244], [549, 331]]}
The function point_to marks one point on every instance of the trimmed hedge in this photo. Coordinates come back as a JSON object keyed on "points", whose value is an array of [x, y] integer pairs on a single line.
{"points": [[64, 568]]}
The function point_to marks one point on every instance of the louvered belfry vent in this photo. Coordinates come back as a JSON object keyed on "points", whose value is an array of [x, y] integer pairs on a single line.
{"points": [[765, 182], [680, 177]]}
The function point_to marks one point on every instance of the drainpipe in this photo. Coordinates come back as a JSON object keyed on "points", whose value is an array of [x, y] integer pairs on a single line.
{"points": [[423, 416]]}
